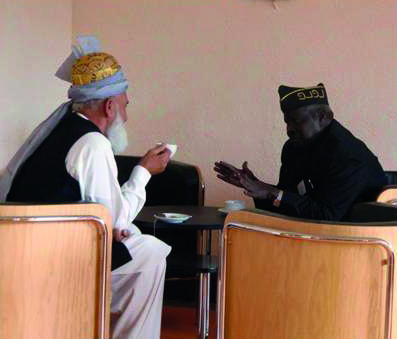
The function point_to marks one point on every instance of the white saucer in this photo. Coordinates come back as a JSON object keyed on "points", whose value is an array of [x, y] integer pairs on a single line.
{"points": [[172, 218]]}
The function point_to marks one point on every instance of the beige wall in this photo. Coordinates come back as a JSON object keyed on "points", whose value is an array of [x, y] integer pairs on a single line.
{"points": [[35, 37], [204, 74]]}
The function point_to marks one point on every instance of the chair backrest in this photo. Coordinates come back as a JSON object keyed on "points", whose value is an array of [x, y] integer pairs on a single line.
{"points": [[180, 183], [55, 271], [289, 278]]}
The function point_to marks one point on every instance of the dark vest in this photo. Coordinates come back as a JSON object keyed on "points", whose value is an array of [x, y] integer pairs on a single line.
{"points": [[43, 177]]}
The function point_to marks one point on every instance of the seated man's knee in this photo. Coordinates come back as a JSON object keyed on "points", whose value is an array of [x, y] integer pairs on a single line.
{"points": [[155, 248]]}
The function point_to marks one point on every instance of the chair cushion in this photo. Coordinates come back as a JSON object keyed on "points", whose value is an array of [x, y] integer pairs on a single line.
{"points": [[373, 212], [391, 177]]}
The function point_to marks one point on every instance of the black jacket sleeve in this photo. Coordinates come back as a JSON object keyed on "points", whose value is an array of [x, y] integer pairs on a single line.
{"points": [[266, 205], [283, 178]]}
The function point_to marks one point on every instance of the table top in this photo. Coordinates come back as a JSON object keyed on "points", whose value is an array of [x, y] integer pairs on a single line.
{"points": [[203, 217]]}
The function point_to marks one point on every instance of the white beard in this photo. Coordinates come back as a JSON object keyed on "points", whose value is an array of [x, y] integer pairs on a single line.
{"points": [[117, 135]]}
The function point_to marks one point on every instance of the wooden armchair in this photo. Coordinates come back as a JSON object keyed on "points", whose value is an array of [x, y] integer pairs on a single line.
{"points": [[55, 271], [289, 278]]}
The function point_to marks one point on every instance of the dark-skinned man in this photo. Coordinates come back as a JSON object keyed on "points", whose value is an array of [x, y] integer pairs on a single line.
{"points": [[324, 168]]}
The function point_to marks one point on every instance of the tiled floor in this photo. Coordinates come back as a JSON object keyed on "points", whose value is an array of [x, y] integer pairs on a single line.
{"points": [[179, 323]]}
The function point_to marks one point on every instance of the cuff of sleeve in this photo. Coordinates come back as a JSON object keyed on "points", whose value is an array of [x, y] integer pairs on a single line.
{"points": [[141, 174]]}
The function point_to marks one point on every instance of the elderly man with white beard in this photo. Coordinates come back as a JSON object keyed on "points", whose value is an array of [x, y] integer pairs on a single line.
{"points": [[70, 157]]}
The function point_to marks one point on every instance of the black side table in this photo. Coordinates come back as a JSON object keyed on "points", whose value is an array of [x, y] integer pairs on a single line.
{"points": [[204, 219]]}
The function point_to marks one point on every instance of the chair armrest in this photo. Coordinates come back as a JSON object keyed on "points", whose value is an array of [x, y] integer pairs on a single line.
{"points": [[387, 193]]}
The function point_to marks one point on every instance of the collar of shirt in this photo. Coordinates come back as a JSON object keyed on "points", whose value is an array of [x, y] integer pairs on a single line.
{"points": [[81, 115]]}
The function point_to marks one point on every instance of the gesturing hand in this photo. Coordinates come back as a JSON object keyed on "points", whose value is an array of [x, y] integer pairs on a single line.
{"points": [[248, 172], [255, 188], [228, 173], [233, 175], [246, 179], [156, 159]]}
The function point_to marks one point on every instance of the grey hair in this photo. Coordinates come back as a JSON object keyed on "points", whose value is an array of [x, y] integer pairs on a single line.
{"points": [[90, 104], [316, 108]]}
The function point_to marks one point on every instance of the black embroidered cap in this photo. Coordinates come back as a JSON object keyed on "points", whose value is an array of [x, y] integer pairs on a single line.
{"points": [[292, 98]]}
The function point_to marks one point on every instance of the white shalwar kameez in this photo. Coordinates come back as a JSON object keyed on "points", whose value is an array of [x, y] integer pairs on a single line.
{"points": [[138, 285]]}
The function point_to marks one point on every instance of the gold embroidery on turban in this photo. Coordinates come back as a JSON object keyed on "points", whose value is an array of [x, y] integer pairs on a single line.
{"points": [[93, 67]]}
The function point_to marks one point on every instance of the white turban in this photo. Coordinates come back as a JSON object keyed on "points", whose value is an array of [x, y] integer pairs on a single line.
{"points": [[107, 87]]}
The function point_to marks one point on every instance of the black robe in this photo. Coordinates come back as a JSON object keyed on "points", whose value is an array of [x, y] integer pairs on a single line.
{"points": [[337, 171]]}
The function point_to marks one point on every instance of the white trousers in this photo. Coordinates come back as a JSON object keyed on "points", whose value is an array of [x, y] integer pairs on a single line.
{"points": [[137, 288]]}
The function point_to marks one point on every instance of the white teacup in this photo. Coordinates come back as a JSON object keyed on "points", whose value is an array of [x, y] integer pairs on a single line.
{"points": [[234, 205], [172, 148]]}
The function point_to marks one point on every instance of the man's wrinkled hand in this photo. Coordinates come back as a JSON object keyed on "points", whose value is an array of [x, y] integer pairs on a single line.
{"points": [[120, 234], [248, 172], [255, 188], [228, 173], [156, 159]]}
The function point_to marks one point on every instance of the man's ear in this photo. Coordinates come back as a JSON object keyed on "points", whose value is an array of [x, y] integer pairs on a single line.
{"points": [[323, 118], [109, 107]]}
